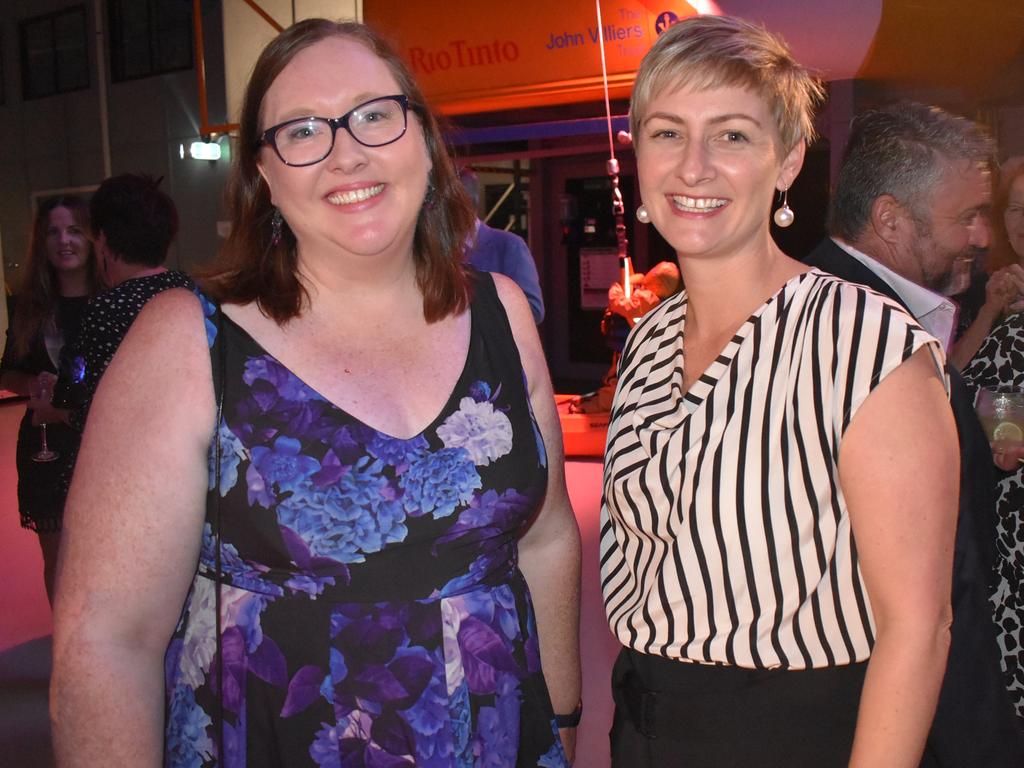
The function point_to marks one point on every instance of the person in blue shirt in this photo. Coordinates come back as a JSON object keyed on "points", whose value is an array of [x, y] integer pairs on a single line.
{"points": [[495, 250]]}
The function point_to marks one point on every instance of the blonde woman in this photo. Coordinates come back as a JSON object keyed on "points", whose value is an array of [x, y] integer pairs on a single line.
{"points": [[780, 481]]}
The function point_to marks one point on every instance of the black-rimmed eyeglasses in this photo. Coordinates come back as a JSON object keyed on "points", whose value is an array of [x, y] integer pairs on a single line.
{"points": [[308, 140]]}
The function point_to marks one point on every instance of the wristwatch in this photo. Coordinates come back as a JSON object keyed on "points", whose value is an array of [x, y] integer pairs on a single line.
{"points": [[572, 719]]}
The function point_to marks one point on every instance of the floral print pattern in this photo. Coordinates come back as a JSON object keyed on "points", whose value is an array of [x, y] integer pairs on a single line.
{"points": [[1000, 362], [370, 609], [484, 432]]}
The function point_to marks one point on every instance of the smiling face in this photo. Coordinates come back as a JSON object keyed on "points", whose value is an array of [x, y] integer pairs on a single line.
{"points": [[956, 229], [362, 200], [67, 245], [709, 162], [1013, 216]]}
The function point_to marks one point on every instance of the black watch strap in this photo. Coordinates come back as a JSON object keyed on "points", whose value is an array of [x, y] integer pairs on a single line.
{"points": [[570, 720]]}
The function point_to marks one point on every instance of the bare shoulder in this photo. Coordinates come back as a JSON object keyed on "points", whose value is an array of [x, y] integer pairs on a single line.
{"points": [[174, 310], [514, 300], [164, 355], [520, 318], [524, 331], [172, 321]]}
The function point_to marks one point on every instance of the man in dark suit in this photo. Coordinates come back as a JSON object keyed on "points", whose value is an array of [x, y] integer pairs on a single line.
{"points": [[907, 216]]}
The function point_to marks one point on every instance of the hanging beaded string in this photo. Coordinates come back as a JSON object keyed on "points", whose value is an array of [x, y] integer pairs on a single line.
{"points": [[618, 207]]}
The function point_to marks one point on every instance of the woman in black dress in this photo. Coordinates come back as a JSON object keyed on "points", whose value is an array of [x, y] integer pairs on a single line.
{"points": [[60, 276]]}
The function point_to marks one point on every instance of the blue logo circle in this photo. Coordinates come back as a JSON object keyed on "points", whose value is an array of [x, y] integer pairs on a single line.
{"points": [[665, 20]]}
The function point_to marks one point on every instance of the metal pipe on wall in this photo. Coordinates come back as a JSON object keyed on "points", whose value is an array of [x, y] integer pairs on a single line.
{"points": [[101, 81]]}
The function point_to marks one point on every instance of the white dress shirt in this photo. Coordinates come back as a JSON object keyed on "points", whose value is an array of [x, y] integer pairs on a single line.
{"points": [[936, 313]]}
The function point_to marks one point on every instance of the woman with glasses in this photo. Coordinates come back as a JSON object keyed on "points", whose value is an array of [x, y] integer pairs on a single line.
{"points": [[347, 477], [58, 278]]}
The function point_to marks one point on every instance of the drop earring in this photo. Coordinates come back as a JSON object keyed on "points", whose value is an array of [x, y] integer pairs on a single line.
{"points": [[784, 215], [642, 215], [276, 222]]}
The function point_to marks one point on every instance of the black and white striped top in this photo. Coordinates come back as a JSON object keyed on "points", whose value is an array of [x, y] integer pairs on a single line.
{"points": [[724, 532]]}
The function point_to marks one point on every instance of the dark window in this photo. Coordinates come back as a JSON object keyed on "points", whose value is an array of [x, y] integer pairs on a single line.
{"points": [[149, 37], [54, 56]]}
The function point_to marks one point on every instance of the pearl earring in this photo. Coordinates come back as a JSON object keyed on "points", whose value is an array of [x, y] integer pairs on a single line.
{"points": [[784, 215], [642, 215]]}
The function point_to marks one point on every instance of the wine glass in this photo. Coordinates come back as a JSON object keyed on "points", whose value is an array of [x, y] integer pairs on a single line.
{"points": [[53, 340], [44, 393], [1001, 412]]}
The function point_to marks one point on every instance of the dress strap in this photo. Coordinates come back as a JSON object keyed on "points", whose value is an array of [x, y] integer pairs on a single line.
{"points": [[214, 317], [489, 313]]}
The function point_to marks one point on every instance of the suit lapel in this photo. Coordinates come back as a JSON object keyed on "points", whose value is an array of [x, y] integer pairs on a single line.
{"points": [[829, 257]]}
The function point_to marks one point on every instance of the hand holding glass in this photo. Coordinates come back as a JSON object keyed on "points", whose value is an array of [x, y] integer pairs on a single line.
{"points": [[1001, 411], [43, 392]]}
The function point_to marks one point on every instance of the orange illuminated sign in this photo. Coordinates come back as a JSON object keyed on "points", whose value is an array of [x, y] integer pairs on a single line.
{"points": [[471, 57]]}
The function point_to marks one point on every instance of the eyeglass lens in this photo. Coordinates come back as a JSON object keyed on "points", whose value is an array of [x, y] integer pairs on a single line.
{"points": [[306, 141]]}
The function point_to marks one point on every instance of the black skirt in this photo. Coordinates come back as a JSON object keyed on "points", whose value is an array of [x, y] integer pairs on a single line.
{"points": [[42, 486], [670, 713]]}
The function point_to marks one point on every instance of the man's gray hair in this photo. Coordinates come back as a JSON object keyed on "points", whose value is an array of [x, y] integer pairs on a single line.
{"points": [[899, 151]]}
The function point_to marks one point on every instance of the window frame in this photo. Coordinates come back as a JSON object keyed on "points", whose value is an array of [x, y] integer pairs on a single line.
{"points": [[83, 80], [116, 46]]}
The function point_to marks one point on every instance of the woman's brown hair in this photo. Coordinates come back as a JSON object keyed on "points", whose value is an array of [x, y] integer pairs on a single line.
{"points": [[250, 267], [37, 298], [1000, 252]]}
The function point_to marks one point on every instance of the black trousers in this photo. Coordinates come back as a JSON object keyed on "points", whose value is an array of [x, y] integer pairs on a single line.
{"points": [[670, 713]]}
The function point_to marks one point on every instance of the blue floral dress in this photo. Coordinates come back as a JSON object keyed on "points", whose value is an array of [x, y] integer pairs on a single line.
{"points": [[372, 612]]}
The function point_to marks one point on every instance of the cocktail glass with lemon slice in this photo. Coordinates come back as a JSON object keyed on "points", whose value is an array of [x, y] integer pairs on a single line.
{"points": [[1001, 411]]}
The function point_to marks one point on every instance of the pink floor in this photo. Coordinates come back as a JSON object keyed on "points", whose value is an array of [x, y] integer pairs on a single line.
{"points": [[597, 645], [24, 621], [25, 614]]}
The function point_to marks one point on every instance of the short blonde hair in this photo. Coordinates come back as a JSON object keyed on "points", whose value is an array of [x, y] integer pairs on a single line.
{"points": [[704, 52]]}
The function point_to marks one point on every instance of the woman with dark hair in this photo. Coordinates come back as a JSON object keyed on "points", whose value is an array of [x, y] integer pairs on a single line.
{"points": [[347, 469], [59, 277], [133, 224]]}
